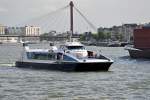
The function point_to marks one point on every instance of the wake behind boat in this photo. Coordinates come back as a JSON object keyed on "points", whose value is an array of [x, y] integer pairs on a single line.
{"points": [[72, 56]]}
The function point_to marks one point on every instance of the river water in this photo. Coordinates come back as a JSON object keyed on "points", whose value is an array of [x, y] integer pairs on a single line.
{"points": [[127, 79]]}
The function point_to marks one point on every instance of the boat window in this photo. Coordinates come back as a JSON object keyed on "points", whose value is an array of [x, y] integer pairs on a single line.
{"points": [[76, 47], [40, 56]]}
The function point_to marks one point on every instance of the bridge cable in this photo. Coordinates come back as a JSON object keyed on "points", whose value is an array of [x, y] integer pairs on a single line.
{"points": [[47, 15], [91, 25]]}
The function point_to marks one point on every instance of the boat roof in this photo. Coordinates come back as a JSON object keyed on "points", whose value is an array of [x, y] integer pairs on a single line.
{"points": [[73, 44], [38, 50], [52, 48]]}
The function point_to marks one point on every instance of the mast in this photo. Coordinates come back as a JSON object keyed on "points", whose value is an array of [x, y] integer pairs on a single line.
{"points": [[71, 18]]}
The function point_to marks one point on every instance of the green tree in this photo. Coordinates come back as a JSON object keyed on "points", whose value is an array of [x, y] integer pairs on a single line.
{"points": [[101, 35], [44, 36], [82, 38], [95, 36], [108, 35]]}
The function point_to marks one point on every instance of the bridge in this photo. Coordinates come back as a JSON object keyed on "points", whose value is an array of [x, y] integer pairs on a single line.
{"points": [[35, 38], [56, 20], [22, 36], [67, 18]]}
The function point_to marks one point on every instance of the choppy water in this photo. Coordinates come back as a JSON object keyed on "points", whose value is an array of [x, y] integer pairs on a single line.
{"points": [[127, 79]]}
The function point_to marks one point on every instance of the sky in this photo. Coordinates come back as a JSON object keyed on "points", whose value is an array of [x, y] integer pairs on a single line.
{"points": [[102, 13]]}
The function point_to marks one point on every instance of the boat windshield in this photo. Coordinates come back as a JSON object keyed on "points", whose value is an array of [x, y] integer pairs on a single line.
{"points": [[76, 47]]}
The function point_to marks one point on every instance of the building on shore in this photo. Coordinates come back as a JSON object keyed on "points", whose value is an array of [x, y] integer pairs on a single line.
{"points": [[32, 31], [23, 31], [2, 29], [127, 31], [123, 32], [26, 33], [13, 31]]}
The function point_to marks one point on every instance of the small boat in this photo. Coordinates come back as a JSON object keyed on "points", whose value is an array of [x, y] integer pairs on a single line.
{"points": [[72, 56], [141, 43], [138, 53]]}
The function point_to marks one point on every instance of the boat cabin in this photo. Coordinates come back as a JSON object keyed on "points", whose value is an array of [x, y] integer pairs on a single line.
{"points": [[74, 48], [70, 52], [49, 56]]}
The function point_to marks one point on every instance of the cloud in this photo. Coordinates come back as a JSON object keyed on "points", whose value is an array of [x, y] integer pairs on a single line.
{"points": [[3, 10], [99, 12]]}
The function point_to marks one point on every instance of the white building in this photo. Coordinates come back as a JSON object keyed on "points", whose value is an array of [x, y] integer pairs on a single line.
{"points": [[28, 31], [31, 31], [25, 31], [2, 30], [127, 30]]}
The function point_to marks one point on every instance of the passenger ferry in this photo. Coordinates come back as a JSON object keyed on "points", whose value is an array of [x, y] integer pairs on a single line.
{"points": [[71, 56]]}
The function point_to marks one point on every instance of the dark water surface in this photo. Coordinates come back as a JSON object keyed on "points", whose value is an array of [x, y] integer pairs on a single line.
{"points": [[127, 79]]}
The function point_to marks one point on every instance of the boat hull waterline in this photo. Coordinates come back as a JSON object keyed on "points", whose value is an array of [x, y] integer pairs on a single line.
{"points": [[98, 66]]}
